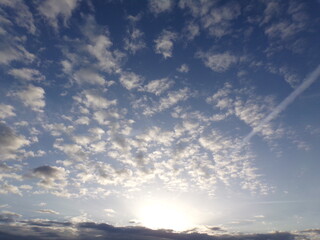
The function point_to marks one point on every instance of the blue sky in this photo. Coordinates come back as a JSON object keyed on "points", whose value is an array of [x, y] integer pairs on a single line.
{"points": [[208, 110]]}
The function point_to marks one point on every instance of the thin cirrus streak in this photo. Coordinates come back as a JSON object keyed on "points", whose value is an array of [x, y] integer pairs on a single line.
{"points": [[312, 77]]}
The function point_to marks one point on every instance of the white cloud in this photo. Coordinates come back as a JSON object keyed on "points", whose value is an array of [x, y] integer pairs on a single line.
{"points": [[108, 60], [191, 30], [273, 9], [110, 212], [284, 29], [10, 143], [291, 78], [130, 80], [183, 68], [57, 129], [82, 121], [164, 43], [218, 62], [106, 117], [32, 97], [134, 41], [94, 99], [99, 46], [27, 74], [247, 107], [232, 160], [197, 8], [83, 76], [171, 99], [22, 15], [294, 20], [8, 188], [73, 151], [52, 10], [159, 6], [159, 86], [217, 20], [67, 66], [48, 211], [12, 49], [6, 111]]}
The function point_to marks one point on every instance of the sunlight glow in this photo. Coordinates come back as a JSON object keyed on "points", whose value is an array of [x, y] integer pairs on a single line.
{"points": [[165, 215]]}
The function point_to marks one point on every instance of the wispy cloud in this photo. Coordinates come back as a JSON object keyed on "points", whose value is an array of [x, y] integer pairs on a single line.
{"points": [[54, 10], [164, 43], [160, 6]]}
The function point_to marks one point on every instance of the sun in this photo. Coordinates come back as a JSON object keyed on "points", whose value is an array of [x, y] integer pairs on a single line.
{"points": [[165, 215]]}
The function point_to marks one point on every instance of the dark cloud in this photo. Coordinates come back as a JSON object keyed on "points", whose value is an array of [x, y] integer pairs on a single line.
{"points": [[8, 217], [51, 177], [41, 229], [46, 171]]}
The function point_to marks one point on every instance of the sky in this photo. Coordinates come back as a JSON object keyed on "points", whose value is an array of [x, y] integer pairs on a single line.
{"points": [[170, 119]]}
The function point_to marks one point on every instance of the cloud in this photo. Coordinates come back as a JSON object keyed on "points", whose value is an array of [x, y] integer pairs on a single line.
{"points": [[218, 62], [134, 40], [130, 80], [291, 78], [32, 97], [52, 10], [272, 9], [82, 121], [6, 111], [27, 74], [311, 78], [165, 102], [57, 129], [173, 98], [44, 229], [12, 49], [284, 29], [110, 212], [283, 24], [232, 160], [248, 107], [191, 30], [93, 98], [216, 19], [9, 172], [48, 211], [218, 22], [164, 43], [294, 19], [21, 14], [51, 177], [10, 143], [88, 76], [158, 86], [8, 188], [160, 6], [9, 217], [99, 46], [183, 68]]}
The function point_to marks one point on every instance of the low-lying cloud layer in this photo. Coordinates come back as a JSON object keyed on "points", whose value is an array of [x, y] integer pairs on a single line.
{"points": [[44, 229]]}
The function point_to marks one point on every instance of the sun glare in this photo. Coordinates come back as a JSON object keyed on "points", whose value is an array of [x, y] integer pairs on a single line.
{"points": [[165, 215]]}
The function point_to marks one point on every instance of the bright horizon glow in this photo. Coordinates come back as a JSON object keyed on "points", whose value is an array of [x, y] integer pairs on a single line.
{"points": [[165, 215]]}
